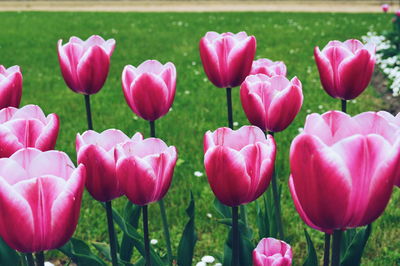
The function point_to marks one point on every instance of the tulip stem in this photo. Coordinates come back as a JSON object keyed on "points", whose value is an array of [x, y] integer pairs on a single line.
{"points": [[327, 249], [235, 232], [337, 236], [277, 202], [29, 259], [162, 208], [111, 234], [88, 112], [146, 235], [229, 106], [344, 106], [40, 258]]}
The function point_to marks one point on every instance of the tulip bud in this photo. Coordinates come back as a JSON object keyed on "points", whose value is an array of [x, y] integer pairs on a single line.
{"points": [[272, 252], [346, 68], [150, 88], [227, 57], [271, 103], [10, 86], [239, 163], [85, 64], [40, 199], [268, 67], [385, 8]]}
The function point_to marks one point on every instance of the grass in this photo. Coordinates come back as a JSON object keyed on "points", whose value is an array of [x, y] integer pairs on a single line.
{"points": [[29, 40]]}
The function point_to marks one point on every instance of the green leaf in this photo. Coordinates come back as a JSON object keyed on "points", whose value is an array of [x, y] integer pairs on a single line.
{"points": [[189, 236], [311, 259], [355, 249], [8, 256], [80, 253], [104, 250], [132, 216], [136, 238], [270, 213], [222, 209], [262, 222]]}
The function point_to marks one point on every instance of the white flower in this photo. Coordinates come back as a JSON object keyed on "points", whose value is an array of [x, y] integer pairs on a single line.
{"points": [[198, 173], [235, 124], [48, 263], [218, 264], [208, 259], [300, 129], [209, 215], [201, 263], [154, 241]]}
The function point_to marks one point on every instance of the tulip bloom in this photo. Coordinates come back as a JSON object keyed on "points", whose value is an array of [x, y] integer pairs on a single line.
{"points": [[85, 64], [272, 252], [397, 13], [343, 169], [10, 86], [96, 152], [27, 127], [150, 88], [40, 199], [271, 103], [268, 67], [239, 163], [145, 169], [227, 58], [385, 8], [345, 68]]}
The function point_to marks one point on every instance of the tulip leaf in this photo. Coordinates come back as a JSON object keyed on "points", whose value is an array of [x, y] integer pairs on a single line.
{"points": [[80, 253], [357, 241], [262, 222], [131, 216], [104, 250], [137, 239], [222, 209], [189, 236], [8, 256], [311, 259]]}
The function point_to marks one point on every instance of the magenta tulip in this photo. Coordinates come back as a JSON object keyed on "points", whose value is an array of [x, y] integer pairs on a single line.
{"points": [[85, 64], [345, 68], [271, 103], [385, 8], [227, 57], [272, 252], [397, 13], [96, 152], [149, 89], [27, 127], [10, 86], [40, 199], [239, 163], [145, 169], [343, 169], [268, 67]]}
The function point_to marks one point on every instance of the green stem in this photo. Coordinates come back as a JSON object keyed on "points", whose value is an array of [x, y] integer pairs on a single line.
{"points": [[29, 259], [88, 112], [337, 236], [229, 106], [111, 234], [327, 249], [40, 258], [146, 235], [344, 106], [235, 232]]}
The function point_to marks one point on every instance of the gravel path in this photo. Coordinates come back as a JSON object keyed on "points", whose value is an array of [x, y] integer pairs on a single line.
{"points": [[194, 6]]}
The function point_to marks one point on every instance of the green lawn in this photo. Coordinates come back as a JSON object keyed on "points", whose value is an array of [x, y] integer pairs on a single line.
{"points": [[29, 40]]}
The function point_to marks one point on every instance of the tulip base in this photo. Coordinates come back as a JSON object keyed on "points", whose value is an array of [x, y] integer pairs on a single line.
{"points": [[235, 232], [337, 237], [111, 234], [146, 235], [327, 249]]}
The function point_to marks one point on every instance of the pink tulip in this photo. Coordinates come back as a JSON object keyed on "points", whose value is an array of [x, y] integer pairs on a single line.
{"points": [[239, 163], [345, 68], [271, 103], [96, 152], [227, 57], [27, 127], [40, 199], [343, 169], [145, 169], [397, 13], [85, 64], [272, 252], [268, 67], [149, 89], [385, 8], [10, 86]]}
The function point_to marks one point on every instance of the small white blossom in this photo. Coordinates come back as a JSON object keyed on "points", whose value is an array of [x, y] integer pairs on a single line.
{"points": [[198, 173], [300, 129], [235, 124], [208, 259], [154, 241], [201, 263], [209, 215]]}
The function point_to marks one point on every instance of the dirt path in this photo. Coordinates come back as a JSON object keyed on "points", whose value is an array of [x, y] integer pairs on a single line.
{"points": [[194, 6]]}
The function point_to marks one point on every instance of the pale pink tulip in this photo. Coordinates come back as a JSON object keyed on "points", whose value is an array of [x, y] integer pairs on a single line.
{"points": [[85, 64], [40, 199], [150, 88], [145, 169], [272, 252], [345, 68], [268, 67], [10, 86], [239, 163], [227, 57], [271, 103], [96, 152], [343, 169], [385, 8], [27, 127]]}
